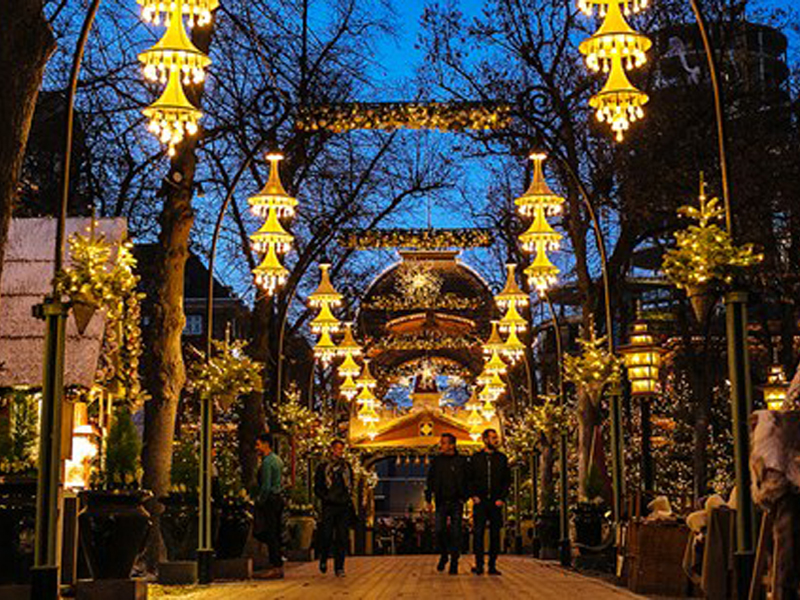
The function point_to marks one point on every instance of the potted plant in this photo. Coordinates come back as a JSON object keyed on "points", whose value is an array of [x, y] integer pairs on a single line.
{"points": [[18, 435], [114, 522], [300, 522], [234, 506], [589, 514], [704, 256], [179, 521]]}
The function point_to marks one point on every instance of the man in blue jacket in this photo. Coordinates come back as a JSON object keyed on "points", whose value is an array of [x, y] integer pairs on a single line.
{"points": [[269, 505], [489, 479]]}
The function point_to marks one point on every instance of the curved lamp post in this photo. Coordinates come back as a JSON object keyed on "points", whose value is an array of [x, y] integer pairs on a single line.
{"points": [[44, 573]]}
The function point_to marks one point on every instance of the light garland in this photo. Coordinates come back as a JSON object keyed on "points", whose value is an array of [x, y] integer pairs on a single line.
{"points": [[613, 48], [173, 117]]}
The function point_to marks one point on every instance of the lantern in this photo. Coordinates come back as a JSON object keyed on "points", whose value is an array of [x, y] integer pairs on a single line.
{"points": [[643, 360], [775, 388]]}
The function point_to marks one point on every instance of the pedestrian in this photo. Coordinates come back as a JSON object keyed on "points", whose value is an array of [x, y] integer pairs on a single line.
{"points": [[488, 479], [333, 485], [447, 485], [269, 505]]}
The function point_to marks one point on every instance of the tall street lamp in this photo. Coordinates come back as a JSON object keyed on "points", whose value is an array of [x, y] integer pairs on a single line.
{"points": [[643, 360]]}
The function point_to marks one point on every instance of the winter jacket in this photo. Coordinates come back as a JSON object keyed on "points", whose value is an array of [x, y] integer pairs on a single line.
{"points": [[488, 475], [333, 482], [447, 479]]}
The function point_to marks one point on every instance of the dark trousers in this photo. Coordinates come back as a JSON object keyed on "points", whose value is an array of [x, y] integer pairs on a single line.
{"points": [[269, 526], [448, 539], [483, 512], [334, 534]]}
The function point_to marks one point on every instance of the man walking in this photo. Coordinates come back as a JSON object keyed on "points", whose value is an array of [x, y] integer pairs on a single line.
{"points": [[489, 479], [269, 505], [333, 485], [447, 484]]}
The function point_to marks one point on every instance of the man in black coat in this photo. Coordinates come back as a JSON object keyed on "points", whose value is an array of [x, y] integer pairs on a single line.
{"points": [[333, 485], [489, 479], [447, 483]]}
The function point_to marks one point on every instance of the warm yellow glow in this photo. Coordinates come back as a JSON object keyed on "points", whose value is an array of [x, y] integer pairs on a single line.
{"points": [[511, 294], [175, 52], [366, 380], [325, 292], [615, 38], [488, 410], [172, 117], [273, 234], [512, 320], [619, 103], [495, 342], [325, 322], [349, 347], [270, 274], [643, 360], [628, 6], [539, 193], [541, 273], [349, 367], [495, 365], [325, 348], [197, 12], [513, 349], [776, 388], [348, 388], [273, 194]]}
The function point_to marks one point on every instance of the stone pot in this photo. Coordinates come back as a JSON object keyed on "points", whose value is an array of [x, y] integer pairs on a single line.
{"points": [[17, 528], [301, 532], [113, 526], [179, 524], [548, 530], [235, 521]]}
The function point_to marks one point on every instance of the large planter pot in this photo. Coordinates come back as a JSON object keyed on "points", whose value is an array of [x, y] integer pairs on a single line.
{"points": [[301, 532], [17, 529], [179, 526], [702, 299], [235, 521], [547, 527], [588, 525], [113, 527]]}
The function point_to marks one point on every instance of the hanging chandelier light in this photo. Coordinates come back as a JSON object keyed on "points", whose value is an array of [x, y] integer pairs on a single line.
{"points": [[273, 195], [325, 323], [172, 117], [495, 342], [349, 349], [272, 234], [325, 292], [540, 238], [488, 410], [613, 48], [197, 12], [270, 274], [513, 348], [474, 419], [512, 320], [511, 294], [174, 52], [495, 365]]}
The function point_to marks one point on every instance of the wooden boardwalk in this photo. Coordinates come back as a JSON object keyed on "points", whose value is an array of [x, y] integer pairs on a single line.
{"points": [[410, 578]]}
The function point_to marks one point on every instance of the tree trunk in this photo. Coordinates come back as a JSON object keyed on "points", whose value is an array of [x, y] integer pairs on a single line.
{"points": [[547, 460], [26, 43], [701, 390]]}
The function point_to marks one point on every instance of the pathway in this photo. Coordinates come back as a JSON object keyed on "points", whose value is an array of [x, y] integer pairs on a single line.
{"points": [[410, 578]]}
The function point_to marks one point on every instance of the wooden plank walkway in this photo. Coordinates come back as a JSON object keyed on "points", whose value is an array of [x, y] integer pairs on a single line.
{"points": [[410, 578]]}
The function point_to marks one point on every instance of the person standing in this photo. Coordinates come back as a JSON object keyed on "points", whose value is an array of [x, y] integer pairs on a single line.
{"points": [[333, 485], [447, 484], [269, 504], [489, 479]]}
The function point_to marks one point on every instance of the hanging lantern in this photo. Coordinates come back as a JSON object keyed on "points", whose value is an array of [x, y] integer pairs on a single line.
{"points": [[172, 117], [643, 360], [776, 388], [366, 380], [372, 430], [488, 410], [511, 294], [513, 348], [349, 366], [512, 320], [349, 347], [615, 38], [495, 387], [270, 274], [541, 273], [325, 349], [273, 195], [273, 234], [325, 292], [325, 321], [619, 103], [175, 52], [495, 342], [474, 419], [495, 365], [628, 6], [348, 388], [197, 12], [538, 192]]}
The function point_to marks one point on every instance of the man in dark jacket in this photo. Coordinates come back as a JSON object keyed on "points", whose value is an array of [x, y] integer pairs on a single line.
{"points": [[333, 485], [269, 505], [447, 483], [489, 479]]}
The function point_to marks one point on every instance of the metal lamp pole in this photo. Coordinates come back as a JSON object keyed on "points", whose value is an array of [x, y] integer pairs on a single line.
{"points": [[738, 358], [44, 573]]}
